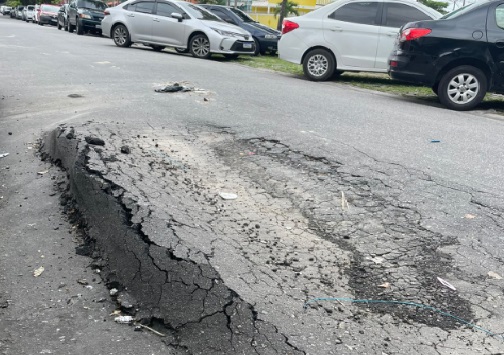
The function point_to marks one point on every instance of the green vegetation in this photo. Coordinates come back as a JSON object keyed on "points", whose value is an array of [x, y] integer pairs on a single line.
{"points": [[436, 5]]}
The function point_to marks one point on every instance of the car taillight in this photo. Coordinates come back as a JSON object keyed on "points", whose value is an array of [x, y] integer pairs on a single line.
{"points": [[106, 12], [414, 33], [288, 26]]}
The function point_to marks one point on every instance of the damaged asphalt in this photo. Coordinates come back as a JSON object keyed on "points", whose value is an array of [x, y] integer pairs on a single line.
{"points": [[236, 274]]}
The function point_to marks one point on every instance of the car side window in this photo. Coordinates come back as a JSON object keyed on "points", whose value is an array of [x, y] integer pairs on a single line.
{"points": [[397, 15], [166, 9], [146, 7], [499, 16], [357, 12], [223, 15]]}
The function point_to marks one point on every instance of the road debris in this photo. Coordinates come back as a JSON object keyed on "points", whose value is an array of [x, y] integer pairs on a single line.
{"points": [[83, 282], [114, 291], [344, 201], [3, 155], [175, 87], [435, 141], [228, 195], [385, 285], [94, 141], [125, 149], [38, 271], [123, 319], [43, 172], [152, 330], [447, 284], [494, 275], [469, 216]]}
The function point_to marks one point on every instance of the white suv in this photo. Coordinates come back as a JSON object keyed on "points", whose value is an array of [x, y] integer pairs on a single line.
{"points": [[348, 35]]}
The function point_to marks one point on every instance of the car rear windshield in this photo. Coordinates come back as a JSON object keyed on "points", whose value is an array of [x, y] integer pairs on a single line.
{"points": [[200, 13], [461, 11], [49, 8], [242, 15], [90, 4], [30, 8]]}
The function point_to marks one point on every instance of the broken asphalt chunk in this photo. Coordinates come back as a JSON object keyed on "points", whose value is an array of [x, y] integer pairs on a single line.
{"points": [[176, 87], [94, 140]]}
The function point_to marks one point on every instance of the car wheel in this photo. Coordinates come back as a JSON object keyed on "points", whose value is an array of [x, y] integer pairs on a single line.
{"points": [[70, 27], [157, 48], [40, 24], [182, 50], [59, 26], [79, 28], [462, 88], [121, 36], [230, 56], [319, 65], [199, 47], [65, 26], [257, 47]]}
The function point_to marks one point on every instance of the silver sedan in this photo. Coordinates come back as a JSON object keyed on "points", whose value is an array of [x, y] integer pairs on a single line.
{"points": [[178, 24]]}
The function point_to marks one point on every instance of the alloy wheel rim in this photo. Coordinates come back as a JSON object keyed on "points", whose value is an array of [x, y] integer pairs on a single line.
{"points": [[463, 88], [317, 65], [201, 47], [120, 35]]}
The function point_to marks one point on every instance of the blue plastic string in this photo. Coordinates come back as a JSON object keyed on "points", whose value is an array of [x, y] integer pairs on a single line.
{"points": [[410, 304]]}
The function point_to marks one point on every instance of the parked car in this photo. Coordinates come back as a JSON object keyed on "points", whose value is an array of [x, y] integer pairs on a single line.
{"points": [[6, 10], [265, 38], [85, 16], [12, 13], [347, 35], [19, 12], [48, 15], [36, 13], [62, 17], [28, 13], [459, 56], [179, 24]]}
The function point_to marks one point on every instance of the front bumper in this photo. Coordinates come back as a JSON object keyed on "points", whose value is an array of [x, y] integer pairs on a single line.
{"points": [[234, 46], [91, 24], [51, 19]]}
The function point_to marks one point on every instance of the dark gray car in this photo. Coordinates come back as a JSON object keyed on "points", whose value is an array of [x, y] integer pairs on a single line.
{"points": [[85, 16]]}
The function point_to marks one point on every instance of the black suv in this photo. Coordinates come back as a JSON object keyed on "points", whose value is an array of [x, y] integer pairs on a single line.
{"points": [[85, 16], [266, 39], [460, 55]]}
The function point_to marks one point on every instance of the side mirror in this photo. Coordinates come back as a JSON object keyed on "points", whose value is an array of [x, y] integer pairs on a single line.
{"points": [[178, 16]]}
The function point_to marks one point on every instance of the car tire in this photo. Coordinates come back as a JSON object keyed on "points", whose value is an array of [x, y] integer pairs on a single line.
{"points": [[199, 47], [319, 65], [59, 26], [121, 36], [182, 50], [231, 56], [40, 24], [79, 28], [157, 48], [257, 50], [70, 27], [462, 88], [337, 73]]}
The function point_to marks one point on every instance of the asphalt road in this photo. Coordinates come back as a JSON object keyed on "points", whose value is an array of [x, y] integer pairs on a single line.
{"points": [[377, 148]]}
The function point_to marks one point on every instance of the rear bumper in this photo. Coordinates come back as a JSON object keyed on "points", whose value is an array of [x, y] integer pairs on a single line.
{"points": [[412, 68], [268, 44], [53, 20]]}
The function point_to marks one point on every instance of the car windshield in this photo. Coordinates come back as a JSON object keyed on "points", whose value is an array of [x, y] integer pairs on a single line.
{"points": [[92, 5], [460, 11], [200, 13], [49, 8], [30, 8], [242, 15]]}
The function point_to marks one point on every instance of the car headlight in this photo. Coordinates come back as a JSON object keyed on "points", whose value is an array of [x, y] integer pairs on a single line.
{"points": [[84, 16], [270, 36], [227, 33]]}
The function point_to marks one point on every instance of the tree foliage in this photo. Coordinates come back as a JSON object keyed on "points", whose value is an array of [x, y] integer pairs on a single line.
{"points": [[436, 5], [213, 2], [283, 9]]}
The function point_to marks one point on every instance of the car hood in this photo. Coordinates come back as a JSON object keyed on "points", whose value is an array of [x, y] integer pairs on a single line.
{"points": [[225, 27], [256, 26]]}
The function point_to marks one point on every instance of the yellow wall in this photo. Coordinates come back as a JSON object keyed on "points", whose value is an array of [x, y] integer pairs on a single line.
{"points": [[265, 19], [299, 2]]}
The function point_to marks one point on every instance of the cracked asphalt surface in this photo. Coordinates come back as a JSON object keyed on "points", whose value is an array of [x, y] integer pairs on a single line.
{"points": [[324, 209]]}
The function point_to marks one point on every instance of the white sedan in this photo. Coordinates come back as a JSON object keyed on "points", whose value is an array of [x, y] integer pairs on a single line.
{"points": [[178, 24], [348, 35]]}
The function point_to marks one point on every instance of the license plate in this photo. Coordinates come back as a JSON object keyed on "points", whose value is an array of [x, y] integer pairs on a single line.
{"points": [[247, 45], [98, 26]]}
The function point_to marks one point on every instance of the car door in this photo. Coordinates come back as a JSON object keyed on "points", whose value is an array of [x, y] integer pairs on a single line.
{"points": [[166, 29], [352, 31], [495, 38], [139, 20], [395, 15]]}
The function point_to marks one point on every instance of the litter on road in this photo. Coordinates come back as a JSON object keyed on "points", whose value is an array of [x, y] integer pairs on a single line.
{"points": [[38, 271], [123, 319], [228, 196], [447, 284], [3, 155], [176, 87]]}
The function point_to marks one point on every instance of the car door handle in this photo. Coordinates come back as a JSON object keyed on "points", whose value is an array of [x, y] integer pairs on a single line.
{"points": [[500, 43], [131, 15], [335, 29], [391, 34], [155, 19]]}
